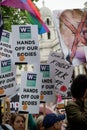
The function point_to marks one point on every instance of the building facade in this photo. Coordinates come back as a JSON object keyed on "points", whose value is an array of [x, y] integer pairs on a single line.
{"points": [[48, 41]]}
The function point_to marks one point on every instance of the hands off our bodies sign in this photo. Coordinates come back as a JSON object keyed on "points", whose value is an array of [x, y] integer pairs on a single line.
{"points": [[7, 77], [5, 44], [30, 92], [47, 87], [25, 43]]}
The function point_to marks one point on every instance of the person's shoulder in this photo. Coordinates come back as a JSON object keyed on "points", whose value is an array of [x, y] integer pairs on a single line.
{"points": [[9, 126], [5, 127], [71, 103]]}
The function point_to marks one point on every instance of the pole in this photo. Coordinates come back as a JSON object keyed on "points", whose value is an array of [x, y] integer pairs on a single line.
{"points": [[44, 109], [0, 113]]}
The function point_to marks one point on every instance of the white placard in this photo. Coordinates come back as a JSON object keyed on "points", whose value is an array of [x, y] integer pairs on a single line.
{"points": [[30, 92], [25, 43], [63, 73], [7, 77], [48, 83], [6, 44]]}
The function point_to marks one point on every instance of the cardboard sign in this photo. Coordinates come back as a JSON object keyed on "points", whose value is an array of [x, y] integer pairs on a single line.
{"points": [[72, 34], [6, 44], [63, 74], [7, 77], [25, 44], [47, 87], [30, 92]]}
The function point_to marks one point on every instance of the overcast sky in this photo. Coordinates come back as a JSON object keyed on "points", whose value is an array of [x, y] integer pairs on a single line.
{"points": [[62, 4]]}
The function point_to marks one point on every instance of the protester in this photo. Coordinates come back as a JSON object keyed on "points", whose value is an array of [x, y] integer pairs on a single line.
{"points": [[53, 121], [17, 121], [39, 122], [76, 109]]}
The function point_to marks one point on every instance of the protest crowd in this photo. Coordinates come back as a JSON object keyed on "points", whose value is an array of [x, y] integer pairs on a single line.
{"points": [[43, 96]]}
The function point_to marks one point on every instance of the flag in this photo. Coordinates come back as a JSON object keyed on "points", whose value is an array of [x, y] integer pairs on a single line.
{"points": [[30, 3], [22, 4], [27, 5], [42, 28]]}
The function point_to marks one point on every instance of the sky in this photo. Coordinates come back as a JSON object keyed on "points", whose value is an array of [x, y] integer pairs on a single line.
{"points": [[62, 4]]}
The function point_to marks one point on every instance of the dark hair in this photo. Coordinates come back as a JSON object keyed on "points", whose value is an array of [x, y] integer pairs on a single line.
{"points": [[79, 86]]}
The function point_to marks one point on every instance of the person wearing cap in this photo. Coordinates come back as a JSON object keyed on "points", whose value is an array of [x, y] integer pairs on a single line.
{"points": [[76, 108], [53, 121]]}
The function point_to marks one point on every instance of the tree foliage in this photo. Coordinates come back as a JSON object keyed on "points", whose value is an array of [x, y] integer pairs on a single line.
{"points": [[12, 16]]}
